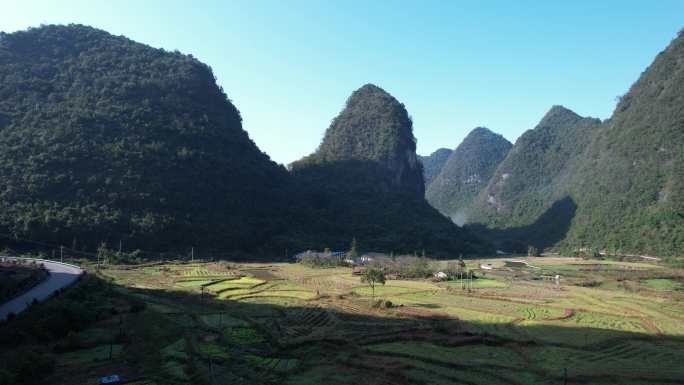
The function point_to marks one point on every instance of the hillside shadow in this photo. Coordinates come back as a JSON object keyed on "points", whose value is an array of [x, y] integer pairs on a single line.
{"points": [[354, 176], [549, 229], [360, 199]]}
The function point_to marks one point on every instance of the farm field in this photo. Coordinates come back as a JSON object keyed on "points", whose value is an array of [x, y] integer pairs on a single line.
{"points": [[604, 322]]}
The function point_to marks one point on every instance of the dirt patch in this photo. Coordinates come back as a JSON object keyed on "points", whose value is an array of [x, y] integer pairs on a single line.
{"points": [[422, 313], [265, 273], [566, 314], [651, 326]]}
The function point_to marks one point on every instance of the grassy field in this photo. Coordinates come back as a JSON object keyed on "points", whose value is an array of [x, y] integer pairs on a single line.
{"points": [[605, 322], [662, 284]]}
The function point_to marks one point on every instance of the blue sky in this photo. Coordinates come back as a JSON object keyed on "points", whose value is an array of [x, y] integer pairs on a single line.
{"points": [[290, 65]]}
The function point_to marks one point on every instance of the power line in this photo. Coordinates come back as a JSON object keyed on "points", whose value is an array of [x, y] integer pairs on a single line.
{"points": [[174, 253]]}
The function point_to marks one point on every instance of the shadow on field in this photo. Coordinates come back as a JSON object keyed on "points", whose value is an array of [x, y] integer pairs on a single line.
{"points": [[338, 340], [550, 228]]}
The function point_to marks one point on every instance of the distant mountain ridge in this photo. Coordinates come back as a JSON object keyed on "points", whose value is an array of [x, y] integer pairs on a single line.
{"points": [[433, 163], [466, 173], [534, 172], [578, 183], [530, 180]]}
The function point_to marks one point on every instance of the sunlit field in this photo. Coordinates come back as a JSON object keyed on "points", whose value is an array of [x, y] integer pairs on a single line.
{"points": [[605, 322]]}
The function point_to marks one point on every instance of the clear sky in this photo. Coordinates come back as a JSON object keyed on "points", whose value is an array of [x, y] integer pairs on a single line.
{"points": [[290, 65]]}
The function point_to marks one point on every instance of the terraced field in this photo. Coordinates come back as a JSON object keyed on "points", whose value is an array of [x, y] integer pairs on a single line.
{"points": [[290, 324]]}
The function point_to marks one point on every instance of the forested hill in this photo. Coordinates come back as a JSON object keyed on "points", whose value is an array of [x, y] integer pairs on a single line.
{"points": [[467, 172], [433, 163], [630, 184], [374, 127], [366, 179], [106, 139], [526, 201], [578, 183], [534, 174], [103, 139]]}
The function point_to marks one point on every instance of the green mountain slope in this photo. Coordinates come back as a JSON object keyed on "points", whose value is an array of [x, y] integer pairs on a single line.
{"points": [[365, 181], [374, 127], [467, 172], [105, 139], [630, 184], [534, 174], [433, 163], [577, 183]]}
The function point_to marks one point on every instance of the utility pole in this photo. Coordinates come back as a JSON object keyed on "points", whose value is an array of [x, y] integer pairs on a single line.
{"points": [[120, 245], [111, 341], [211, 368], [192, 254], [61, 254]]}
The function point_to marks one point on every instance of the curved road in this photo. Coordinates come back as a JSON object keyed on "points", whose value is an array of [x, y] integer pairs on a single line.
{"points": [[61, 275]]}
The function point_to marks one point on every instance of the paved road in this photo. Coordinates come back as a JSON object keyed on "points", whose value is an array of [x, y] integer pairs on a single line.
{"points": [[61, 275]]}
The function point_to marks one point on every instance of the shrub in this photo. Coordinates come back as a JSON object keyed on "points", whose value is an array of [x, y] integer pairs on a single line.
{"points": [[30, 366]]}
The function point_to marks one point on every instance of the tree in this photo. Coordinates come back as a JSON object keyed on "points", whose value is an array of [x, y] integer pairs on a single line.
{"points": [[372, 276], [102, 253], [461, 264], [532, 251], [453, 269], [353, 252]]}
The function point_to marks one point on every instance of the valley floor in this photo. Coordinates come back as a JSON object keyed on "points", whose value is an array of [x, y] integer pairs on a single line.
{"points": [[606, 322]]}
